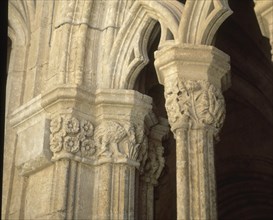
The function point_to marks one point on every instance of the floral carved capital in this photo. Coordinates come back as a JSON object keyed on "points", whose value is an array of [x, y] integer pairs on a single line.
{"points": [[194, 104], [72, 136]]}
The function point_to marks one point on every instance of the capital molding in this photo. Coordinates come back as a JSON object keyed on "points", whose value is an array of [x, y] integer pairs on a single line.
{"points": [[70, 122], [194, 77], [121, 104], [68, 98], [116, 136], [108, 142], [193, 62], [120, 133]]}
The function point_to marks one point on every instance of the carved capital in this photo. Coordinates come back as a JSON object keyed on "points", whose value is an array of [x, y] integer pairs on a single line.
{"points": [[193, 77], [109, 142], [194, 104], [154, 163], [121, 142]]}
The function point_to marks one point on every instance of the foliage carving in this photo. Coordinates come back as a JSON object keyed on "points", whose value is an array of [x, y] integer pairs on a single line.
{"points": [[194, 104]]}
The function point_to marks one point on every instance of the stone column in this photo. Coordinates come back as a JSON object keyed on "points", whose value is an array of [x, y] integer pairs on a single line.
{"points": [[151, 168], [70, 139], [121, 144], [193, 77]]}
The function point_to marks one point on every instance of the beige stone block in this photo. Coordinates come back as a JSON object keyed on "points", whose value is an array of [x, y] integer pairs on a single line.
{"points": [[85, 191], [29, 84], [40, 78], [8, 165], [34, 49], [15, 90], [18, 58], [33, 153], [17, 187], [38, 194]]}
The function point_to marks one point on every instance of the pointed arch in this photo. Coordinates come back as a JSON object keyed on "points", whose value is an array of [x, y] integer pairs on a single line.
{"points": [[129, 53], [18, 30], [21, 17], [201, 20]]}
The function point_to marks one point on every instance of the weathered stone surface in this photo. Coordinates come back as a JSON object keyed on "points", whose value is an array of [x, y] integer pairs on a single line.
{"points": [[79, 142]]}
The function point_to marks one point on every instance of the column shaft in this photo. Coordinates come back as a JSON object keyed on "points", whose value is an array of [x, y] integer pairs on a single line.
{"points": [[182, 175], [103, 188], [115, 189], [195, 175]]}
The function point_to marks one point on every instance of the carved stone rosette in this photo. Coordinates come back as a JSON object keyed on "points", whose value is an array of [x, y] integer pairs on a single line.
{"points": [[72, 136]]}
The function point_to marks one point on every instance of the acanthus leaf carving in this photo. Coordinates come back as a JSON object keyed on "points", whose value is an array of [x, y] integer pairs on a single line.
{"points": [[194, 104]]}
